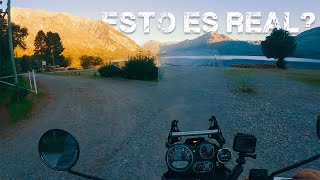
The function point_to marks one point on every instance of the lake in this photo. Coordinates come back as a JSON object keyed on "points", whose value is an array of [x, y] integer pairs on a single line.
{"points": [[227, 61]]}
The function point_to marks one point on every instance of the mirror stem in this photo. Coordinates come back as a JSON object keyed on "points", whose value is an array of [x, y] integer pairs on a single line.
{"points": [[294, 166], [83, 175]]}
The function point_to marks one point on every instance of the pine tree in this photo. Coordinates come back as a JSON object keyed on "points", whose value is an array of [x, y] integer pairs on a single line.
{"points": [[54, 45], [40, 44]]}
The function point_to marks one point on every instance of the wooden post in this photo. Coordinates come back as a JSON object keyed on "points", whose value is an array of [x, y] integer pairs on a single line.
{"points": [[30, 81], [35, 82]]}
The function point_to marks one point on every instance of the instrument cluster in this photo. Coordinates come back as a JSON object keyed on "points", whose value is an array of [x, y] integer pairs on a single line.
{"points": [[200, 158]]}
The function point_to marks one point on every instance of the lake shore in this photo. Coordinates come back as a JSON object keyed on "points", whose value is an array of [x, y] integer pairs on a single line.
{"points": [[228, 61]]}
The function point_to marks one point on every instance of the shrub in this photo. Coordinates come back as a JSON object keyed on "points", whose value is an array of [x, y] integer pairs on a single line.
{"points": [[27, 63], [243, 87], [110, 71], [90, 61], [141, 68]]}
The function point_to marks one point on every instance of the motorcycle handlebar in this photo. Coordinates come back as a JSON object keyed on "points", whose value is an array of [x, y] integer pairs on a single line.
{"points": [[196, 133]]}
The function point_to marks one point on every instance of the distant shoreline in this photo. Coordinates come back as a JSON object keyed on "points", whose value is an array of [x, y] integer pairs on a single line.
{"points": [[228, 61], [230, 57]]}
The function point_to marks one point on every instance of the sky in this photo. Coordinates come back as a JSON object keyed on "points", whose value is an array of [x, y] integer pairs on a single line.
{"points": [[94, 8]]}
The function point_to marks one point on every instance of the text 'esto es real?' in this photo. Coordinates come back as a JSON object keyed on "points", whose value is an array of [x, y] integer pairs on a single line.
{"points": [[249, 22]]}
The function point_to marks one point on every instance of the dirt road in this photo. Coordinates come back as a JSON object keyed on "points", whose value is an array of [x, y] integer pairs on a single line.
{"points": [[122, 125]]}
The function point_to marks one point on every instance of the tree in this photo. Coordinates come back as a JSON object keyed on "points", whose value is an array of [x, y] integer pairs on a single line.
{"points": [[27, 63], [97, 61], [66, 61], [54, 47], [49, 47], [279, 45], [40, 44], [19, 35], [62, 61], [90, 61]]}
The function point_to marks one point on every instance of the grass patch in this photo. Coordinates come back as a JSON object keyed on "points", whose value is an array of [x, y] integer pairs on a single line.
{"points": [[19, 110], [243, 87], [41, 94], [75, 73], [309, 77], [5, 93], [240, 79], [239, 72]]}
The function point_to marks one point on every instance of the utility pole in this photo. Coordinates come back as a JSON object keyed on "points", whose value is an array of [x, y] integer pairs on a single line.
{"points": [[13, 64]]}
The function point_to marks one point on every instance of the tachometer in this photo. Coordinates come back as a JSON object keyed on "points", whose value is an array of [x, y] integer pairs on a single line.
{"points": [[179, 158], [206, 150]]}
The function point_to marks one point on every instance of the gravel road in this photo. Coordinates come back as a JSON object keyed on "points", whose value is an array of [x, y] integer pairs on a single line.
{"points": [[122, 125]]}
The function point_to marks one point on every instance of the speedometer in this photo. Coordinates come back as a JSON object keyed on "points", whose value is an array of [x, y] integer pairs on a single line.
{"points": [[206, 150], [179, 158]]}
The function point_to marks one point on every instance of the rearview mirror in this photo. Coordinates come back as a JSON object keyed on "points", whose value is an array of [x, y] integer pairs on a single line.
{"points": [[59, 150], [244, 143], [318, 126]]}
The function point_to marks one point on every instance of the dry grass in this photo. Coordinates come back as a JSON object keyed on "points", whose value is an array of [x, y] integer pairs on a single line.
{"points": [[310, 77]]}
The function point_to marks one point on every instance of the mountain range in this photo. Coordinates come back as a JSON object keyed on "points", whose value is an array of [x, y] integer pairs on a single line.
{"points": [[79, 35], [209, 44], [84, 36], [154, 46], [308, 46]]}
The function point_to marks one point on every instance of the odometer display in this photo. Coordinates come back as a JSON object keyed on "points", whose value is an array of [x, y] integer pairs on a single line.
{"points": [[179, 158]]}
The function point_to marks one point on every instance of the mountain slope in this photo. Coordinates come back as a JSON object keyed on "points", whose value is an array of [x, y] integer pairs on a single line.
{"points": [[308, 44], [212, 43], [79, 35], [154, 46]]}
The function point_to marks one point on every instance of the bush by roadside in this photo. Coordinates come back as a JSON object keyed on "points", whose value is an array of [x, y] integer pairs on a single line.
{"points": [[138, 67], [141, 68], [90, 61], [110, 70]]}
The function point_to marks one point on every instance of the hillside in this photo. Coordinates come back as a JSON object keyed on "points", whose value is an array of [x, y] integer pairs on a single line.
{"points": [[79, 35], [308, 44], [212, 43], [154, 46]]}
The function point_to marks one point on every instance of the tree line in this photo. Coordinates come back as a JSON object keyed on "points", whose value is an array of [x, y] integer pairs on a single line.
{"points": [[48, 47], [19, 35]]}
